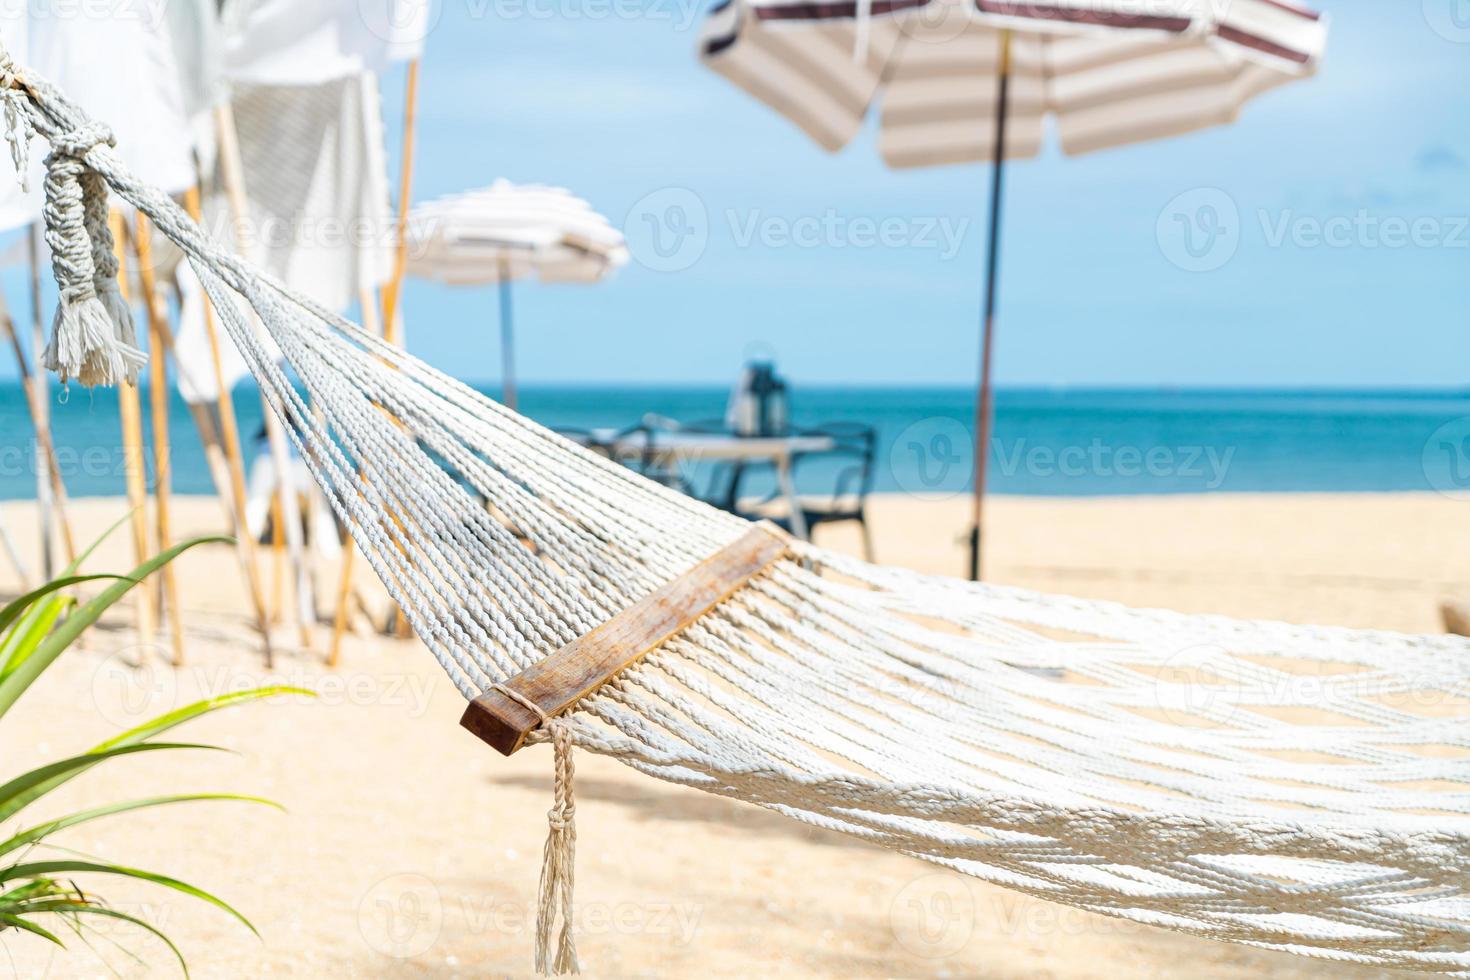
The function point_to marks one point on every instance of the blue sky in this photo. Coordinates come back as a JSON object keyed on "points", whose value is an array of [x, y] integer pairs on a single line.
{"points": [[607, 98]]}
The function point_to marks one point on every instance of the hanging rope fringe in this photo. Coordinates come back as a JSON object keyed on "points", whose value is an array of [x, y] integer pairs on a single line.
{"points": [[92, 337], [559, 855], [17, 134], [557, 864]]}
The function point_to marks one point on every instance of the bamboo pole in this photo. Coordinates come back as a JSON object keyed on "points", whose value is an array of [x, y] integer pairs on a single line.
{"points": [[52, 493], [367, 300], [278, 550], [232, 172], [21, 571], [47, 469], [45, 447], [229, 444], [158, 402], [392, 325], [131, 411]]}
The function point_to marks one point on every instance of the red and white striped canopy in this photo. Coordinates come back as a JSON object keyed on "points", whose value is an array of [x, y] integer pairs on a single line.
{"points": [[1109, 72]]}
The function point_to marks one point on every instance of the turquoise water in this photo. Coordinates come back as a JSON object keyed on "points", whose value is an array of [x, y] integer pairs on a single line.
{"points": [[1047, 442]]}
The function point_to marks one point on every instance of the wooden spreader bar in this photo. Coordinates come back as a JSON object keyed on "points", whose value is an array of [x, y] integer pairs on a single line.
{"points": [[590, 661]]}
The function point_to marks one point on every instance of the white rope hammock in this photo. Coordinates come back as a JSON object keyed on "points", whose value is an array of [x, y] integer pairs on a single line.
{"points": [[1288, 787]]}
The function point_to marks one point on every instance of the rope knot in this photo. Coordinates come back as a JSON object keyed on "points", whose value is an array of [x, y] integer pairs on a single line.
{"points": [[92, 337], [78, 142]]}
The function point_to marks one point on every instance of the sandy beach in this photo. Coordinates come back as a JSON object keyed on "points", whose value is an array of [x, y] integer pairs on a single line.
{"points": [[408, 849]]}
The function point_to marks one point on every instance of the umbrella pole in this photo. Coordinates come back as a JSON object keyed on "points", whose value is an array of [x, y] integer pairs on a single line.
{"points": [[984, 404], [507, 342]]}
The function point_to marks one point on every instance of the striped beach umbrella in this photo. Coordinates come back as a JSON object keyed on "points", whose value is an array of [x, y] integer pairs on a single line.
{"points": [[506, 232], [956, 81]]}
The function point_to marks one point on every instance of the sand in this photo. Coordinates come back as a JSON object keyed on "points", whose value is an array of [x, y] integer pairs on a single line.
{"points": [[408, 849]]}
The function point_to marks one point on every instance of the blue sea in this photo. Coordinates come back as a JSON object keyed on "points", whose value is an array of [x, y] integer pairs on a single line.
{"points": [[1052, 442]]}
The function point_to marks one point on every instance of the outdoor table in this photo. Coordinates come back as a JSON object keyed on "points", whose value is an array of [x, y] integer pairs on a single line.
{"points": [[779, 451]]}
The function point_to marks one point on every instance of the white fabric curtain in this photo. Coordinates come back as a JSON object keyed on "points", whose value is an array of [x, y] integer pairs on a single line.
{"points": [[318, 215], [119, 61], [305, 42]]}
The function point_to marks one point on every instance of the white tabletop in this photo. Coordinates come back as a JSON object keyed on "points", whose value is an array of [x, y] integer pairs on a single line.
{"points": [[717, 445]]}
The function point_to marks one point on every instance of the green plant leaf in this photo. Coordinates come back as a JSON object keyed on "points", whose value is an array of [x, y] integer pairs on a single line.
{"points": [[26, 673], [87, 908], [41, 888], [139, 735], [20, 923], [44, 830], [34, 869], [26, 635], [31, 786], [15, 607], [191, 711], [77, 561]]}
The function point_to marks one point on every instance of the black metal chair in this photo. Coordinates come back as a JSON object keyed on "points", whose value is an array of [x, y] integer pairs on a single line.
{"points": [[855, 446], [584, 437], [637, 447]]}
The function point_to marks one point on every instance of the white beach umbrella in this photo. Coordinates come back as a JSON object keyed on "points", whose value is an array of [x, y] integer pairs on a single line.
{"points": [[971, 80], [506, 232]]}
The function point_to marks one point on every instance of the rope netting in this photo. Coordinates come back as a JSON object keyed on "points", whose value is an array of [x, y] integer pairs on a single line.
{"points": [[1289, 787]]}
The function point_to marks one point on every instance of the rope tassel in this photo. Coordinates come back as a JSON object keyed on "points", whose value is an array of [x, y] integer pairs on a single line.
{"points": [[557, 865], [92, 337]]}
